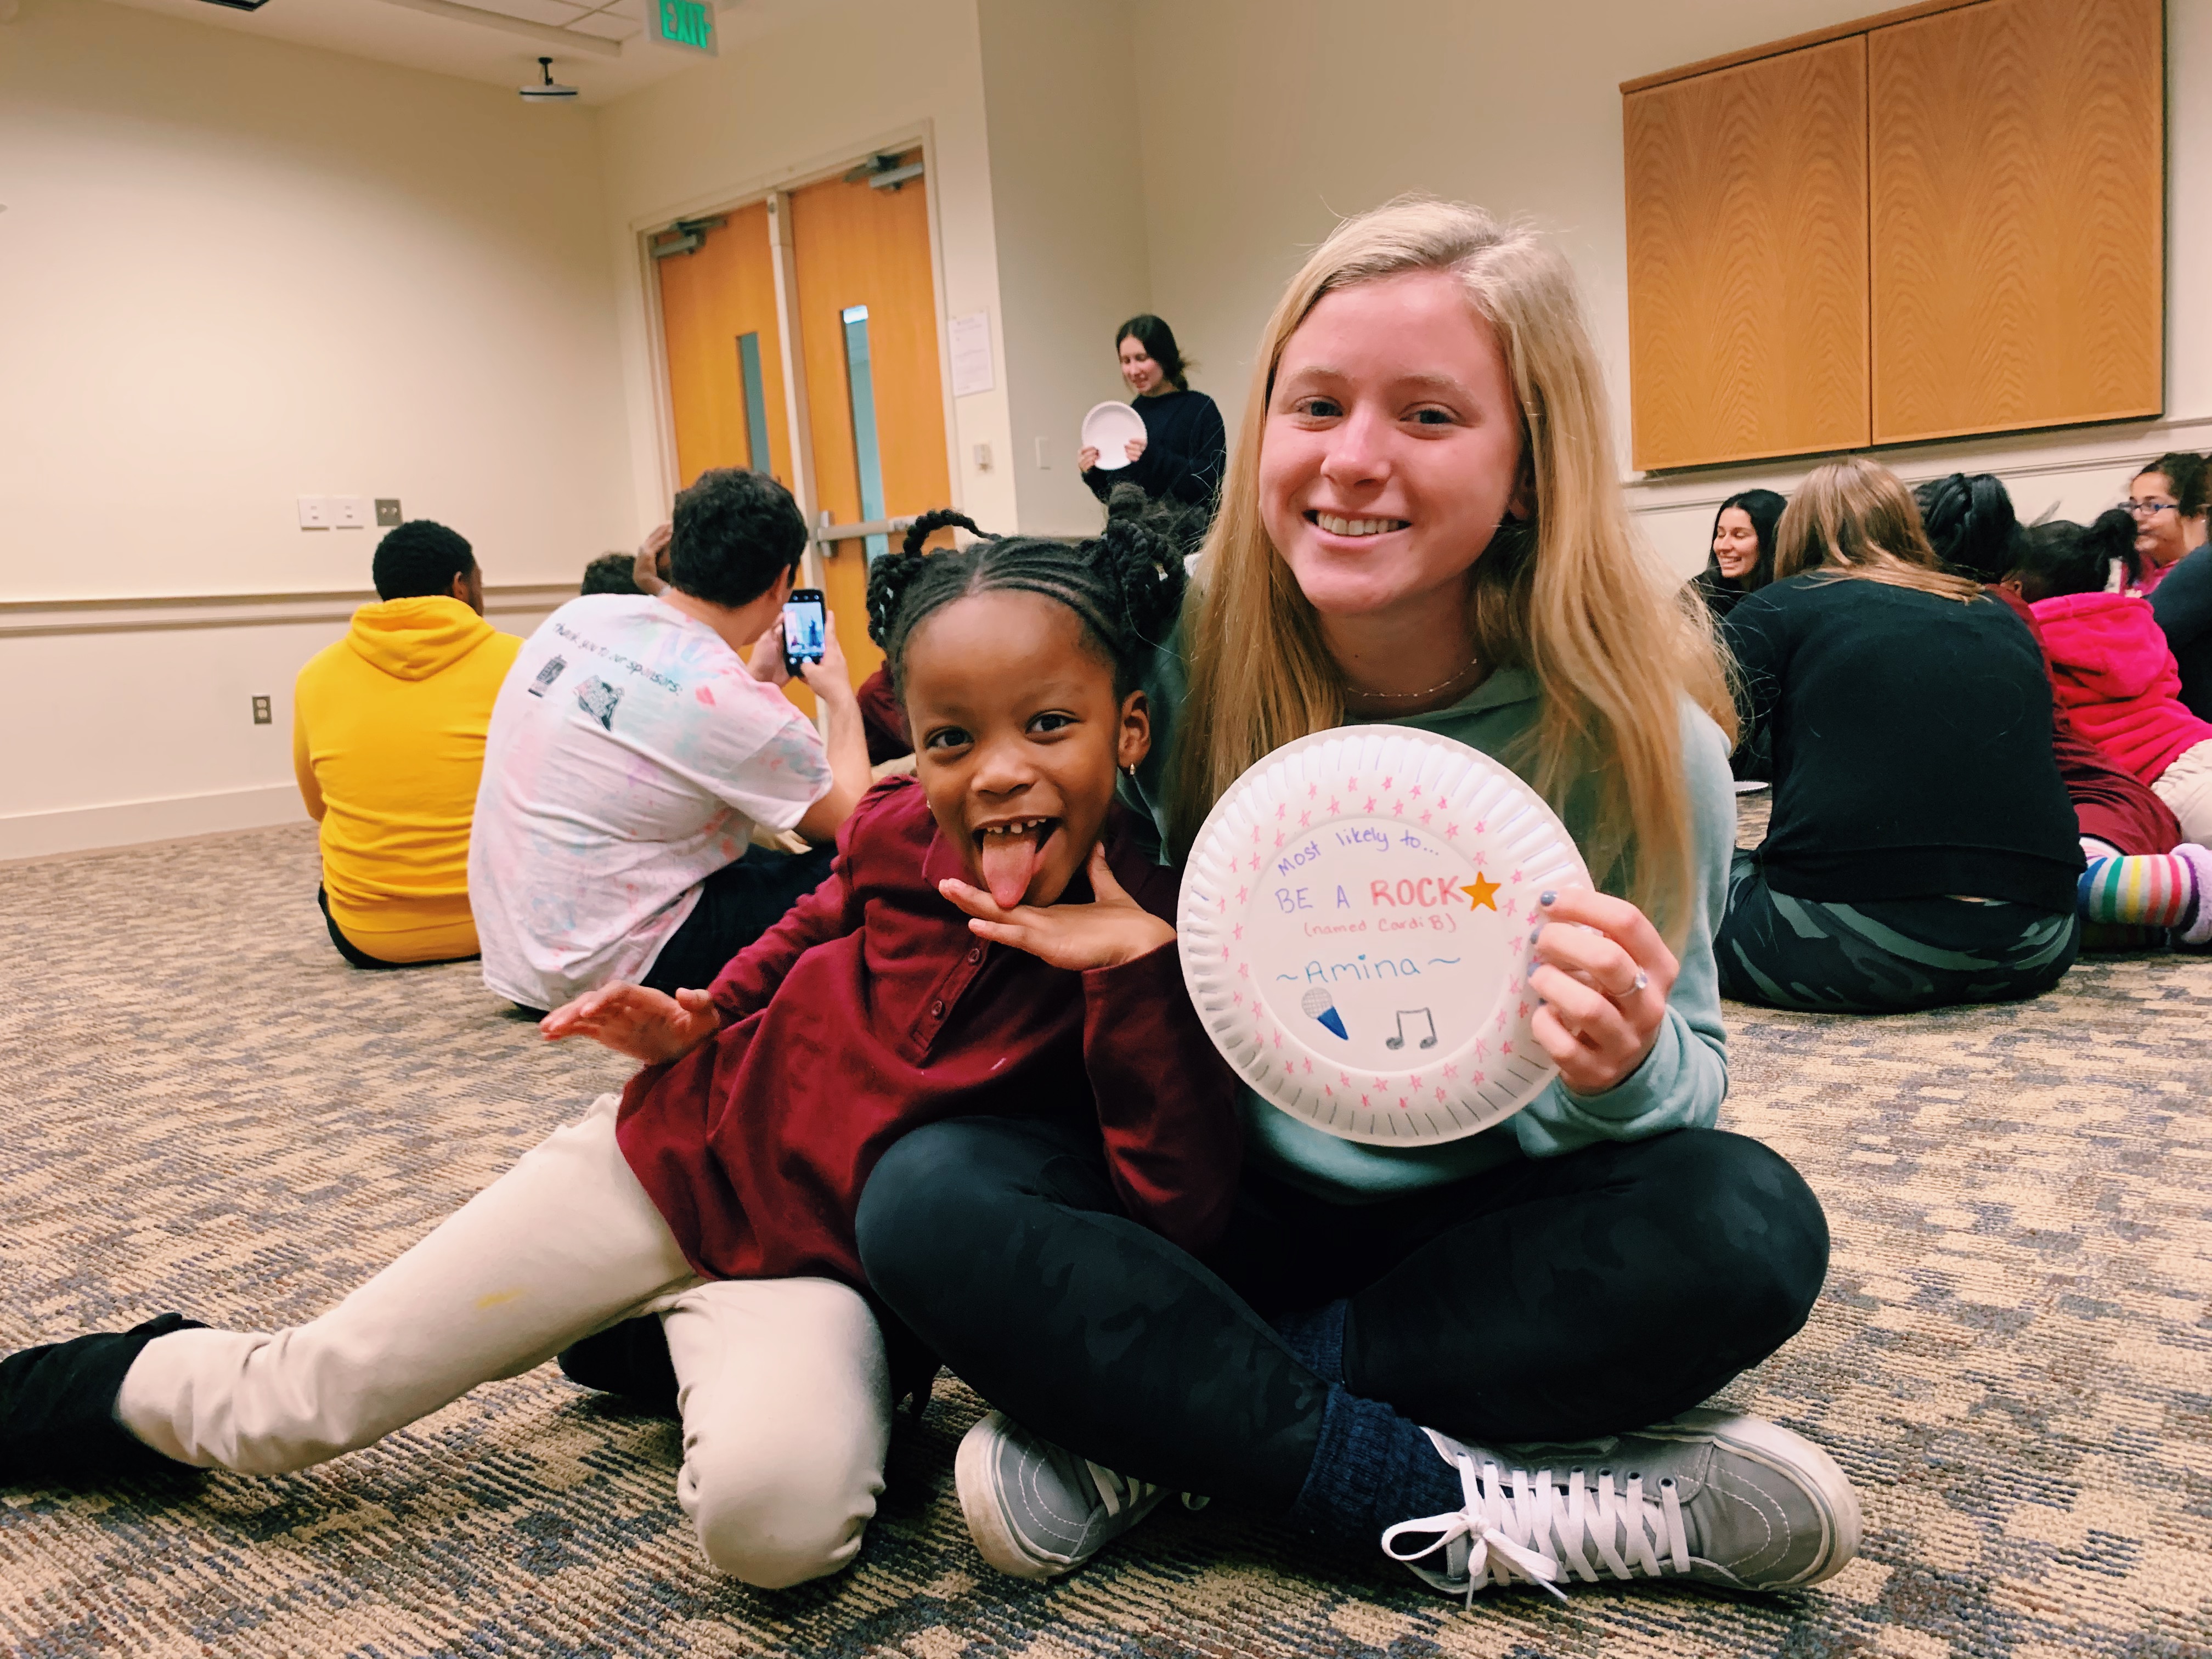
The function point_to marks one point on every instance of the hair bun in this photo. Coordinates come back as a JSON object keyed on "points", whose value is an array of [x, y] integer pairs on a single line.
{"points": [[929, 524], [2112, 537], [1146, 564]]}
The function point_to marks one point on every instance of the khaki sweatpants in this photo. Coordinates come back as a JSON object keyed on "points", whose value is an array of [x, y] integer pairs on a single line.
{"points": [[785, 1395], [2185, 785]]}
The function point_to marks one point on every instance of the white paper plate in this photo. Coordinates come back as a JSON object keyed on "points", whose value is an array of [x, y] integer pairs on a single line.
{"points": [[1356, 930], [1107, 429]]}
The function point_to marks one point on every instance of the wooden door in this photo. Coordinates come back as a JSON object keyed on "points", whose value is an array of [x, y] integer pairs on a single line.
{"points": [[2017, 185], [718, 320], [726, 391], [1747, 259], [865, 309]]}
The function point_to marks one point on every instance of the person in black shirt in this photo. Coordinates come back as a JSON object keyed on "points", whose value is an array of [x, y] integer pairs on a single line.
{"points": [[1742, 560], [2182, 600], [1922, 850], [1185, 447]]}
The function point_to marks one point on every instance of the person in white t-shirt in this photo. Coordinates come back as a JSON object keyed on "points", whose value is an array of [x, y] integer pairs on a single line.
{"points": [[633, 748]]}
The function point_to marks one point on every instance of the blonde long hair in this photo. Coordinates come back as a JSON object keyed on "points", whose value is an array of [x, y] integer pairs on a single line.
{"points": [[1569, 594], [1854, 518]]}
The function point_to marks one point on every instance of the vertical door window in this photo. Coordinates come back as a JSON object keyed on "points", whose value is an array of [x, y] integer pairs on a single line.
{"points": [[861, 386], [748, 373]]}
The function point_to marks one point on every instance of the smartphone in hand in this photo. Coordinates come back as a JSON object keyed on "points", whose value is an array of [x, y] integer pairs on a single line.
{"points": [[805, 623]]}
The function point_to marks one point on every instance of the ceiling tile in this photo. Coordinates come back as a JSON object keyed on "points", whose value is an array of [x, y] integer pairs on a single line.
{"points": [[533, 11], [607, 25]]}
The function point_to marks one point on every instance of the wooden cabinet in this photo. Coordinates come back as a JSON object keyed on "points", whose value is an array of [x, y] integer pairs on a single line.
{"points": [[1940, 221], [1747, 259], [2018, 201]]}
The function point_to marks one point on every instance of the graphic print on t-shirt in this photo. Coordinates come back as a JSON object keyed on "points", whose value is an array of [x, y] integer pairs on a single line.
{"points": [[601, 813], [598, 699], [547, 675]]}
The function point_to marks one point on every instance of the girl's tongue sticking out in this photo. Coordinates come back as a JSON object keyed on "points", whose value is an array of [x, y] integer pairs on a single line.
{"points": [[1010, 855]]}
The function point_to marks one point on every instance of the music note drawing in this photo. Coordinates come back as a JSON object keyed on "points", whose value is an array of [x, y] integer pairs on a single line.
{"points": [[1423, 1018]]}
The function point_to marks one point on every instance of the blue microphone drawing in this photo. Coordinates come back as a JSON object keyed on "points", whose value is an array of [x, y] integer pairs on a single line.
{"points": [[1323, 1006]]}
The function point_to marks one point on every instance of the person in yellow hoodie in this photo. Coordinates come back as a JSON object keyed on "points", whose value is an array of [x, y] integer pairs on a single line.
{"points": [[388, 741]]}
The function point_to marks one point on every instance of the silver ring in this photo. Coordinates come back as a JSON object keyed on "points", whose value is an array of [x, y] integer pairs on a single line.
{"points": [[1643, 983]]}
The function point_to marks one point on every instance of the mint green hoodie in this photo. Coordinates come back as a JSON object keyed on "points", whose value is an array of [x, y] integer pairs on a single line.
{"points": [[1681, 1082]]}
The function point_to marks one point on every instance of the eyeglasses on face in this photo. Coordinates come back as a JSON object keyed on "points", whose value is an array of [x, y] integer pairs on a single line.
{"points": [[2146, 509]]}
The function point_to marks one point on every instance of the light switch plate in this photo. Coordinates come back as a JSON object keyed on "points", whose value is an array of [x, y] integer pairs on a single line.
{"points": [[387, 512], [349, 511], [314, 513]]}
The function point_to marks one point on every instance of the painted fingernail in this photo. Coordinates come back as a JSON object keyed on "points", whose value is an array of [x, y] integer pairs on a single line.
{"points": [[1545, 898]]}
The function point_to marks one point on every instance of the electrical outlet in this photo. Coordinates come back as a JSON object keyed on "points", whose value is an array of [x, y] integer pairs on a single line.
{"points": [[387, 512], [982, 458], [314, 513], [1044, 454], [261, 716], [349, 511]]}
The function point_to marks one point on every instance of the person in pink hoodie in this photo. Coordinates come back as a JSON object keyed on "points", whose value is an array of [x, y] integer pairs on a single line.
{"points": [[2112, 671]]}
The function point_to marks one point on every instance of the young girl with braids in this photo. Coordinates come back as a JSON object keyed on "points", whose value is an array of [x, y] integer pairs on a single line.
{"points": [[990, 939]]}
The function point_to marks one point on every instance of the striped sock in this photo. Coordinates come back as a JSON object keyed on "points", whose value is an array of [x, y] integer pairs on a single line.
{"points": [[2149, 890]]}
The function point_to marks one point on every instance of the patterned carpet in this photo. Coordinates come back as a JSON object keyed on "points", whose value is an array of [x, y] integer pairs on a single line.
{"points": [[206, 1111]]}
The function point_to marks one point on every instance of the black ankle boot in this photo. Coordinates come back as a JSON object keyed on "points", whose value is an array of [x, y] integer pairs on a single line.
{"points": [[58, 1408], [631, 1360]]}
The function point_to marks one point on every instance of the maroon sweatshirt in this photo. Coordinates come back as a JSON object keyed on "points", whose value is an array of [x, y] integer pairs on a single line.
{"points": [[871, 1010]]}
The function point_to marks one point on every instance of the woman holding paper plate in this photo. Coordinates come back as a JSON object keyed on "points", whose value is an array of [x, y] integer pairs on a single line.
{"points": [[1482, 1341], [1171, 443]]}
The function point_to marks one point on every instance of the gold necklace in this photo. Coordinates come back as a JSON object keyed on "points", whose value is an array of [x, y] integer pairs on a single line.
{"points": [[1409, 696]]}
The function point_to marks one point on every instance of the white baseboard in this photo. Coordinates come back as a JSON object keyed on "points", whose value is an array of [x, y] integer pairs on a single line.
{"points": [[125, 823]]}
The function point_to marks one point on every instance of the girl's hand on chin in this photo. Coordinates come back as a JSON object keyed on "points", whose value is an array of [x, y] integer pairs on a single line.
{"points": [[646, 1025], [1110, 930], [1604, 978]]}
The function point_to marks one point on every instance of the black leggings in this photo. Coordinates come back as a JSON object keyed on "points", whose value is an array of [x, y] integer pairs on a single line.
{"points": [[360, 958], [736, 904], [1553, 1298]]}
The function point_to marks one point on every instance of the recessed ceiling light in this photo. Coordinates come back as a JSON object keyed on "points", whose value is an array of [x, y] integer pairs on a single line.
{"points": [[239, 5]]}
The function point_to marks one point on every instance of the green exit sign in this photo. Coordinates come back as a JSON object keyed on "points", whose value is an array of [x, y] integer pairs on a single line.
{"points": [[686, 25]]}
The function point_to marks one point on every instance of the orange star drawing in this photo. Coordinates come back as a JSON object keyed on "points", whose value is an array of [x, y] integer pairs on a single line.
{"points": [[1480, 892]]}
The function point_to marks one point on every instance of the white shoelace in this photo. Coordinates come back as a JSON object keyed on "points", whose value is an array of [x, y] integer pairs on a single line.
{"points": [[1117, 1492], [1514, 1537]]}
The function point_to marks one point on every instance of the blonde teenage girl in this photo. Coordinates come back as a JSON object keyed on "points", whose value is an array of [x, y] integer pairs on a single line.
{"points": [[1421, 525]]}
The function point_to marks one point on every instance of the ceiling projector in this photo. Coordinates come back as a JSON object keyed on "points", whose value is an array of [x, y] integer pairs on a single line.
{"points": [[549, 89]]}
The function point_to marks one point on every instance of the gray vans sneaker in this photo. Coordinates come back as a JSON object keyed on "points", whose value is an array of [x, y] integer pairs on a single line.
{"points": [[1715, 1498], [1037, 1510]]}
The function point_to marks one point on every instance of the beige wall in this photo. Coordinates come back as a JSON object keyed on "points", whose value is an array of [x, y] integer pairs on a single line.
{"points": [[1059, 87], [235, 272], [853, 76], [1264, 121]]}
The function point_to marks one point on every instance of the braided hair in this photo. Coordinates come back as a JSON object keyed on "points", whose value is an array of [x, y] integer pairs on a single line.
{"points": [[1970, 522], [1124, 585]]}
